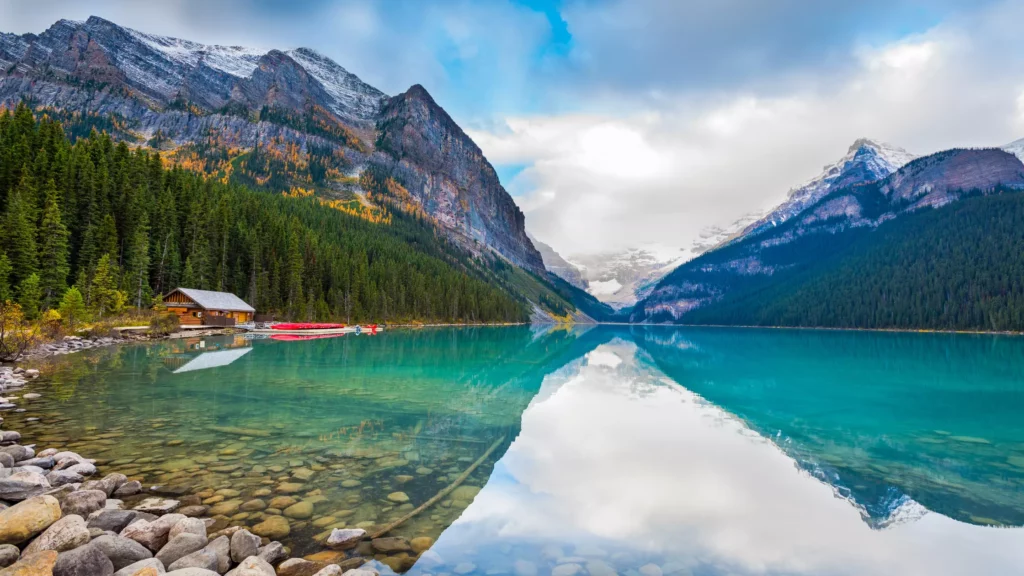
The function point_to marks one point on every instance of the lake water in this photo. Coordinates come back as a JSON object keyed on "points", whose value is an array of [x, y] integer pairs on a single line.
{"points": [[637, 451]]}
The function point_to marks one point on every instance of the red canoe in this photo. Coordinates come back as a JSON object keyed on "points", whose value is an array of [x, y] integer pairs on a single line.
{"points": [[305, 326], [301, 337]]}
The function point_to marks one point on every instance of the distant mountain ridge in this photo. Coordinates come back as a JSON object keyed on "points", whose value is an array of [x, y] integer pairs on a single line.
{"points": [[621, 278], [827, 227], [559, 266], [289, 121]]}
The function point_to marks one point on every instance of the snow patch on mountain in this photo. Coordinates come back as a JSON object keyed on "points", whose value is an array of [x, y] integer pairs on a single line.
{"points": [[1016, 148], [352, 96], [237, 61]]}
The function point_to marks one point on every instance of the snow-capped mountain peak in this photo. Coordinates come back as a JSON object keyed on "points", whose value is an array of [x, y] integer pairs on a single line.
{"points": [[866, 161], [352, 96], [1016, 148]]}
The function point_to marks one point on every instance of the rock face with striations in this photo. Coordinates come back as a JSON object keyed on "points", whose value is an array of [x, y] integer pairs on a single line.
{"points": [[447, 174]]}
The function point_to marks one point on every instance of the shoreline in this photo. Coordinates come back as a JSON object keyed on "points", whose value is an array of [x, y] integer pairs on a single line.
{"points": [[824, 328], [73, 344], [58, 513]]}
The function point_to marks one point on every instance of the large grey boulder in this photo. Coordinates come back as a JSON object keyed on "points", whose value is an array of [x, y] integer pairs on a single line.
{"points": [[152, 533], [204, 558], [83, 468], [18, 453], [44, 463], [65, 534], [121, 551], [243, 545], [62, 477], [193, 572], [222, 548], [107, 484], [111, 520], [83, 561], [130, 488], [22, 485], [273, 552], [83, 502], [190, 525], [180, 546]]}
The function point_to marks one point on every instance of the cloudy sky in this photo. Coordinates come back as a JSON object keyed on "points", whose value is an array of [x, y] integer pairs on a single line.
{"points": [[619, 123]]}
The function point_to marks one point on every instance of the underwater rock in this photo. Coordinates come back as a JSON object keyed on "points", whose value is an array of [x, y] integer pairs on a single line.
{"points": [[274, 527], [398, 497]]}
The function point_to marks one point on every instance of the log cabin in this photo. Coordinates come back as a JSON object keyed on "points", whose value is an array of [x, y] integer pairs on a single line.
{"points": [[206, 307]]}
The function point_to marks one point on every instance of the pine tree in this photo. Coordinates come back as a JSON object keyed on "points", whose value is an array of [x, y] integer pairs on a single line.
{"points": [[106, 298], [188, 276], [106, 238], [30, 295], [72, 308], [5, 279], [53, 250], [17, 233]]}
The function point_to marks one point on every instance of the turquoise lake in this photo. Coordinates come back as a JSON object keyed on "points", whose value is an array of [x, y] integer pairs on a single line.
{"points": [[639, 451]]}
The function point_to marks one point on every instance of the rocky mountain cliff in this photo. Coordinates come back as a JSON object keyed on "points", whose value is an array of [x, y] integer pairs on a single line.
{"points": [[828, 225], [317, 127], [447, 174]]}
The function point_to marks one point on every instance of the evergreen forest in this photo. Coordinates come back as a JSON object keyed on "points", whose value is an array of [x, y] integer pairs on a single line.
{"points": [[115, 227], [958, 267]]}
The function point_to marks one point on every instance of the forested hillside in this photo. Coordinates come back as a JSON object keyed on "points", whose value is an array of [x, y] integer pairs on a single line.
{"points": [[958, 267], [122, 228]]}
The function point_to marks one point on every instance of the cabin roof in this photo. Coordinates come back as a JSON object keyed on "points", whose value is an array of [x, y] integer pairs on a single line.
{"points": [[211, 300]]}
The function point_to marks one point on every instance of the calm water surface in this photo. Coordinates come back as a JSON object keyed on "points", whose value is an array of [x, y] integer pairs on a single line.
{"points": [[640, 451]]}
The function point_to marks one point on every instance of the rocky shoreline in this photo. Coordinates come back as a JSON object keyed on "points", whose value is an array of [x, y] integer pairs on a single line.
{"points": [[56, 520]]}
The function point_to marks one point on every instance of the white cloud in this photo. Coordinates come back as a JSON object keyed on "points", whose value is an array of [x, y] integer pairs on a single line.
{"points": [[669, 167]]}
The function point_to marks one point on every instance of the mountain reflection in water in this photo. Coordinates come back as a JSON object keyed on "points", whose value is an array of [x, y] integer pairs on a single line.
{"points": [[623, 462]]}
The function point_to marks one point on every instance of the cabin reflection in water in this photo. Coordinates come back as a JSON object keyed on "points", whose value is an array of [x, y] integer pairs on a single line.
{"points": [[190, 354]]}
